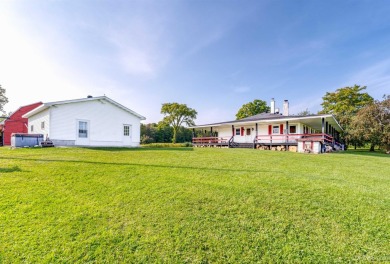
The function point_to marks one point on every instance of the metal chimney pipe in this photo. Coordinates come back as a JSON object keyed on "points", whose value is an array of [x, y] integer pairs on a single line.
{"points": [[285, 108]]}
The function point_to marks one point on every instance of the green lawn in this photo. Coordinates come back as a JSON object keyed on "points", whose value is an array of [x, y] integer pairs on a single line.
{"points": [[202, 205]]}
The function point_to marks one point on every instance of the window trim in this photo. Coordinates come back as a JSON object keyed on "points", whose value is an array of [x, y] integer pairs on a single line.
{"points": [[274, 127], [238, 132]]}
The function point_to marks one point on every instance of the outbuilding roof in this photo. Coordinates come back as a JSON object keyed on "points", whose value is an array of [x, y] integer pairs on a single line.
{"points": [[98, 98]]}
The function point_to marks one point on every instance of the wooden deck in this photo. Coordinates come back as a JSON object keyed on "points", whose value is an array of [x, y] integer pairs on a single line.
{"points": [[264, 141]]}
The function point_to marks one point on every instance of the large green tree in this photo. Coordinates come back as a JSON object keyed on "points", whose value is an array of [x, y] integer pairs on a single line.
{"points": [[372, 124], [176, 114], [3, 100], [345, 102], [252, 108]]}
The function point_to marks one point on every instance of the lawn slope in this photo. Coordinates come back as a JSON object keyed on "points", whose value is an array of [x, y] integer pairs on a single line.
{"points": [[184, 205]]}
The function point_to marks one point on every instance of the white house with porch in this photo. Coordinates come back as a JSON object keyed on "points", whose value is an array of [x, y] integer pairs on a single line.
{"points": [[91, 121], [313, 133]]}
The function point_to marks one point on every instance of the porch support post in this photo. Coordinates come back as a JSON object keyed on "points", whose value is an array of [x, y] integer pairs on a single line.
{"points": [[326, 127], [233, 130], [287, 130], [211, 131], [323, 128], [257, 133], [257, 130], [193, 132]]}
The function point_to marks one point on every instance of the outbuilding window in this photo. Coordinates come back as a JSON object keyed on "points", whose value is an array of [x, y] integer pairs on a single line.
{"points": [[42, 125], [32, 128], [83, 129], [126, 130]]}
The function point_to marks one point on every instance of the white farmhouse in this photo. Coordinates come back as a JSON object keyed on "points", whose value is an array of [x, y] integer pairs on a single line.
{"points": [[91, 121], [274, 130]]}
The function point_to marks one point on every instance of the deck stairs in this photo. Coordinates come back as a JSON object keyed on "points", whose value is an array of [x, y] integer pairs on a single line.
{"points": [[241, 145]]}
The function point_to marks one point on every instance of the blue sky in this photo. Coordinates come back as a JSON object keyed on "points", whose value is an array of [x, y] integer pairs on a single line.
{"points": [[212, 55]]}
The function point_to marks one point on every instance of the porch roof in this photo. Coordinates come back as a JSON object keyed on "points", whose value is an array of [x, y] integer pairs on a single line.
{"points": [[313, 121]]}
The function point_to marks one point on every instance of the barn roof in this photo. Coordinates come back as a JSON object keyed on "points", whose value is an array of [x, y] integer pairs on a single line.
{"points": [[98, 98]]}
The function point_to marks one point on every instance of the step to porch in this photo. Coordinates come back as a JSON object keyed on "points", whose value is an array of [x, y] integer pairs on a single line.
{"points": [[241, 145]]}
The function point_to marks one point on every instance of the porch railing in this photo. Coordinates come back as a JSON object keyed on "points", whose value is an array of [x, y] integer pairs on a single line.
{"points": [[269, 139], [293, 138], [210, 140]]}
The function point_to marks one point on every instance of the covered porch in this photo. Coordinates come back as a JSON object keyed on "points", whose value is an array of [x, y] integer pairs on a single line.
{"points": [[280, 131]]}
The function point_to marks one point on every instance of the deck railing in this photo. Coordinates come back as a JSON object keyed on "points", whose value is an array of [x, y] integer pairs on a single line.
{"points": [[270, 139], [210, 140], [293, 138]]}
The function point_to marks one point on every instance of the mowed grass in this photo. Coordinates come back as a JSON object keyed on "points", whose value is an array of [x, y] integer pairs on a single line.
{"points": [[192, 206]]}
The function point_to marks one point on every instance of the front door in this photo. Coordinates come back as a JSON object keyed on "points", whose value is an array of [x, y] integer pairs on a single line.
{"points": [[126, 135], [82, 133]]}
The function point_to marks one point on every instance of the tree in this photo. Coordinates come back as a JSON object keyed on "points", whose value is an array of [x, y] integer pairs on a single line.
{"points": [[176, 114], [304, 113], [372, 124], [252, 108], [345, 102], [3, 100]]}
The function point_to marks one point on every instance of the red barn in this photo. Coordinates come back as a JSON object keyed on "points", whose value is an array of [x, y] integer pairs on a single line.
{"points": [[16, 124]]}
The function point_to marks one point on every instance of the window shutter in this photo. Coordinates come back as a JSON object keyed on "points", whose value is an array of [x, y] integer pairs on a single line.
{"points": [[242, 131], [269, 129], [281, 129]]}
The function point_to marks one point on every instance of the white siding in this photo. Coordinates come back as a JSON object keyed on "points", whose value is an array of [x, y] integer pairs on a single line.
{"points": [[105, 123], [37, 120]]}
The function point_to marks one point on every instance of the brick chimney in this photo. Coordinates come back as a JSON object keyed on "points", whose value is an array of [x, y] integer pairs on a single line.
{"points": [[285, 108], [272, 106]]}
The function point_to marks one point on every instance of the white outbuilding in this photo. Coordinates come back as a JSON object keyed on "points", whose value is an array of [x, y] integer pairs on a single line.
{"points": [[91, 121]]}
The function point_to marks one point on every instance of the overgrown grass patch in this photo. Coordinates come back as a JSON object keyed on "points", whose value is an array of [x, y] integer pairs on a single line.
{"points": [[201, 205]]}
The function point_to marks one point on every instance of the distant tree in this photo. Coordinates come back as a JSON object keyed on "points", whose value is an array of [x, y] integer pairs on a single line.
{"points": [[177, 114], [163, 133], [3, 100], [372, 124], [304, 113], [252, 108]]}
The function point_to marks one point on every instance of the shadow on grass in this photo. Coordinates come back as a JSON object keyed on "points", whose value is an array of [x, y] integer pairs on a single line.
{"points": [[365, 152], [13, 169], [147, 165], [140, 149]]}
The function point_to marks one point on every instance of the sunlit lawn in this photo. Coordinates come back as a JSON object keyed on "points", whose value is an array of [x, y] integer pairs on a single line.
{"points": [[203, 205]]}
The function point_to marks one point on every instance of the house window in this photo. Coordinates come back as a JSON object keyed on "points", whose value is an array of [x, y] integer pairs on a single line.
{"points": [[248, 131], [237, 131], [275, 130], [293, 129], [42, 125], [32, 128], [126, 130], [83, 129]]}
